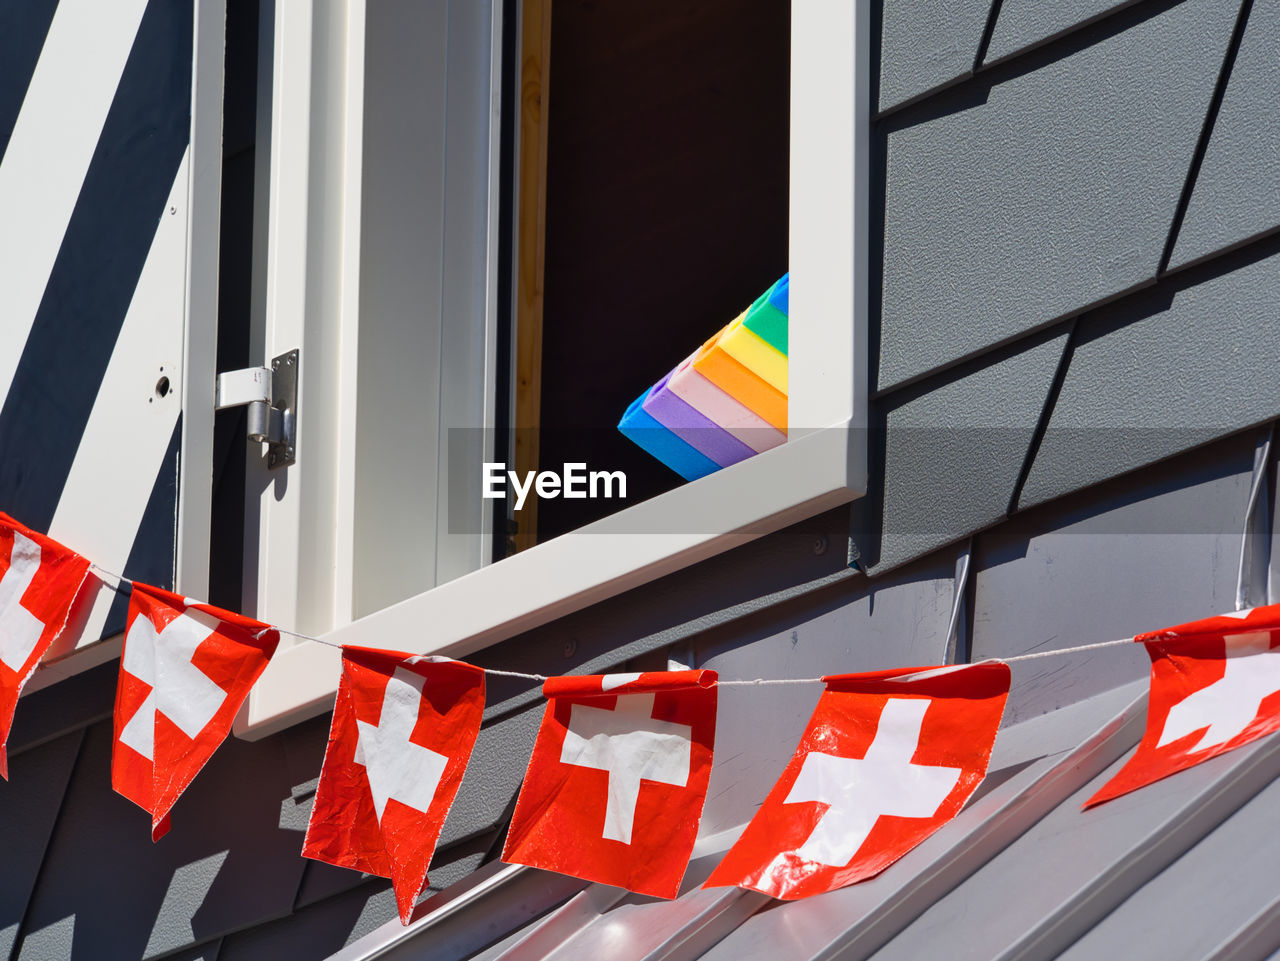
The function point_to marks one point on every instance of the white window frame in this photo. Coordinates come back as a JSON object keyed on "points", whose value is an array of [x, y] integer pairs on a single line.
{"points": [[824, 463]]}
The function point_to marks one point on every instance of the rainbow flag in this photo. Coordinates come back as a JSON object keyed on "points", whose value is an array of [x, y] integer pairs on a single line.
{"points": [[725, 401]]}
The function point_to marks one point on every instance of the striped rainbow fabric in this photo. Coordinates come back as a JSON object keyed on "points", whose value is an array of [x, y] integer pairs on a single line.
{"points": [[726, 401]]}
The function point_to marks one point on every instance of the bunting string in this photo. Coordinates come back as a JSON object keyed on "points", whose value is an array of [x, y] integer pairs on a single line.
{"points": [[121, 580]]}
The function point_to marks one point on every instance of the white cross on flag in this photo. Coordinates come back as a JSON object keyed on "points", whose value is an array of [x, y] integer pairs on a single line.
{"points": [[1215, 686], [886, 760], [402, 733], [39, 581], [618, 777], [186, 669]]}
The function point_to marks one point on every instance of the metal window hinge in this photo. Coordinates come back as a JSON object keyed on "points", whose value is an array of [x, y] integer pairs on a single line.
{"points": [[271, 396]]}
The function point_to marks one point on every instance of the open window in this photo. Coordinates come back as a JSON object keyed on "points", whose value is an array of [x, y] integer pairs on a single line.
{"points": [[386, 234]]}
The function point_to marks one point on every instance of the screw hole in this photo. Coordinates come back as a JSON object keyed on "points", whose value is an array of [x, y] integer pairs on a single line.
{"points": [[162, 386]]}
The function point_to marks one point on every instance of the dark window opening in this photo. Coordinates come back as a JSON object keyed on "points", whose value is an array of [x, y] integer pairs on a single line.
{"points": [[666, 212]]}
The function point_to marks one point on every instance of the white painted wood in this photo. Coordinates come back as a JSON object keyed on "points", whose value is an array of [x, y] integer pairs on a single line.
{"points": [[200, 307], [48, 154], [390, 514], [273, 498], [130, 425], [630, 548], [296, 517], [496, 296], [468, 346], [404, 191], [388, 113], [169, 330], [330, 340], [236, 388], [348, 357], [829, 256]]}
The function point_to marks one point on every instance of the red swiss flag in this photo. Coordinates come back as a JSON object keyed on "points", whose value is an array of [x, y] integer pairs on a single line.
{"points": [[886, 760], [186, 669], [402, 733], [618, 777], [1215, 686], [39, 580]]}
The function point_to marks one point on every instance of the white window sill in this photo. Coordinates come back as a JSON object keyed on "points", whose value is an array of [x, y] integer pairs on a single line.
{"points": [[734, 506]]}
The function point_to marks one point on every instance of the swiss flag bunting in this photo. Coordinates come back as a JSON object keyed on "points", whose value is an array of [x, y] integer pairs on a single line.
{"points": [[1215, 686], [39, 581], [617, 780], [886, 760], [616, 784], [186, 669], [402, 733]]}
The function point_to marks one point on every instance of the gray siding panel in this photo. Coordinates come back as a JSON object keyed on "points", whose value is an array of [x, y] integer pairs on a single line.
{"points": [[69, 705], [1150, 551], [32, 798], [1049, 191], [226, 864], [953, 455], [493, 774], [927, 43], [316, 931], [1221, 879], [1237, 194], [1197, 363], [1023, 24], [321, 881]]}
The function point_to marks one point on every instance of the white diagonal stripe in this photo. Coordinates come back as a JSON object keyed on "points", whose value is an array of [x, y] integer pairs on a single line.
{"points": [[49, 151], [128, 416], [20, 630]]}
